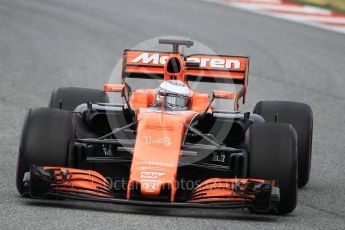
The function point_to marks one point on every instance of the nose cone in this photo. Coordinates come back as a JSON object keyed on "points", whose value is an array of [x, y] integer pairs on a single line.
{"points": [[157, 152]]}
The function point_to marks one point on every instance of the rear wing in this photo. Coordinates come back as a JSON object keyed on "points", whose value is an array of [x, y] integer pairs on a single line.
{"points": [[198, 67], [143, 63]]}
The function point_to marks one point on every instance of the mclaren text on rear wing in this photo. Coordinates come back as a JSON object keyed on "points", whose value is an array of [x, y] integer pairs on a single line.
{"points": [[196, 67], [148, 64]]}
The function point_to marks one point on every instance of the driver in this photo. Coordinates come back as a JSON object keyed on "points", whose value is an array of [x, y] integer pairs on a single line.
{"points": [[175, 95]]}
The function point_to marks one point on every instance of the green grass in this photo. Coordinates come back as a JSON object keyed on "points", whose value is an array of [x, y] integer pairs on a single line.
{"points": [[336, 5]]}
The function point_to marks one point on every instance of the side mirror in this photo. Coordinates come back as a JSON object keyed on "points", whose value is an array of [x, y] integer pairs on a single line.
{"points": [[220, 94], [118, 88], [223, 94], [114, 88]]}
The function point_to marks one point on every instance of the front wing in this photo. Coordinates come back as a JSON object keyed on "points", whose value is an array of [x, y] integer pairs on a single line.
{"points": [[88, 185]]}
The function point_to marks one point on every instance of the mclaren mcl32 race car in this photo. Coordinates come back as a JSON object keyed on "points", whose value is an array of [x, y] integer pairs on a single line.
{"points": [[167, 144]]}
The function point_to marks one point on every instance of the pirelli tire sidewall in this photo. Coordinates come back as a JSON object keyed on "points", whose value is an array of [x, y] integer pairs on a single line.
{"points": [[272, 154], [46, 140]]}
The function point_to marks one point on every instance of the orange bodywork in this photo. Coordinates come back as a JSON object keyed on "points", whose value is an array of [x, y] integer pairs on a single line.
{"points": [[144, 98], [154, 63], [138, 63], [223, 94], [199, 102], [80, 181], [113, 88], [160, 133], [157, 150], [219, 189]]}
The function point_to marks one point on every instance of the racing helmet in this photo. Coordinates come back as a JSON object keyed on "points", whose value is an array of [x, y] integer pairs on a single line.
{"points": [[175, 95]]}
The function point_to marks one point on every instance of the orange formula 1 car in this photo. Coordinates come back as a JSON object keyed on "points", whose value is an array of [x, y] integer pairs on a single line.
{"points": [[168, 144]]}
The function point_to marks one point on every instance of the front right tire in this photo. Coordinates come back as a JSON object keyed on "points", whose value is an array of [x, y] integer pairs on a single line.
{"points": [[272, 154], [45, 141]]}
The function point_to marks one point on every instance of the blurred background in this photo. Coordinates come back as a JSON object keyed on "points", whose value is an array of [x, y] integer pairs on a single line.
{"points": [[338, 5]]}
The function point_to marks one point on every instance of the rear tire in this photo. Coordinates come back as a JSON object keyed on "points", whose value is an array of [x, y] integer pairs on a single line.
{"points": [[300, 116], [273, 155], [45, 141], [68, 98]]}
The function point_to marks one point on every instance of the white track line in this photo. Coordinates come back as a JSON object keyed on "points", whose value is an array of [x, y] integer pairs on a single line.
{"points": [[309, 15], [292, 9], [313, 18]]}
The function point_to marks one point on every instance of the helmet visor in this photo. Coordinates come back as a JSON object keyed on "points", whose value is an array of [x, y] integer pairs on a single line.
{"points": [[177, 101]]}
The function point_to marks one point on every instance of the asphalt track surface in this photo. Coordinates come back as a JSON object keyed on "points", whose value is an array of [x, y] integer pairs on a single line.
{"points": [[45, 44]]}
